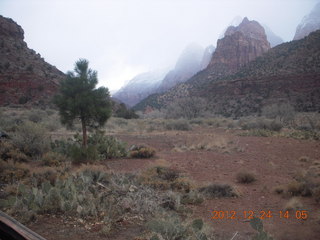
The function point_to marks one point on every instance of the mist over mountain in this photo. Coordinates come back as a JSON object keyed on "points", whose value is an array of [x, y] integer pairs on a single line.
{"points": [[188, 64], [140, 87], [207, 55], [309, 23], [273, 39]]}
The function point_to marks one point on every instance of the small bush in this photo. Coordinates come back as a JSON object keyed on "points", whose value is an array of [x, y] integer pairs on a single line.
{"points": [[9, 152], [31, 138], [11, 172], [296, 188], [165, 178], [245, 177], [180, 125], [141, 152], [293, 204], [192, 197], [53, 159], [218, 191], [79, 154], [107, 146]]}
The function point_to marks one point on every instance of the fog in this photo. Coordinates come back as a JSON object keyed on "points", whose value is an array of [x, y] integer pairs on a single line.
{"points": [[122, 38]]}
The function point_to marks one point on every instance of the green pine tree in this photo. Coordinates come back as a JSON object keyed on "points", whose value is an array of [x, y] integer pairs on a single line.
{"points": [[78, 98]]}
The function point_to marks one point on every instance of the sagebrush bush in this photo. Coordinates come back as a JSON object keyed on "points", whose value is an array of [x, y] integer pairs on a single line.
{"points": [[31, 138], [245, 177], [9, 152], [11, 172], [141, 152], [165, 178], [53, 159]]}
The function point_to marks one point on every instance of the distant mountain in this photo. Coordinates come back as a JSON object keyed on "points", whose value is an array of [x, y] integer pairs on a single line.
{"points": [[273, 39], [207, 55], [24, 75], [289, 72], [309, 23], [140, 87], [188, 64]]}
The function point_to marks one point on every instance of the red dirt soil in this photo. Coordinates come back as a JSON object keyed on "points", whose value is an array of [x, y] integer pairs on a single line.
{"points": [[273, 160]]}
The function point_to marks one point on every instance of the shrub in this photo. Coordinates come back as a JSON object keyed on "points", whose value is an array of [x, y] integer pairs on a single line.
{"points": [[100, 147], [141, 152], [261, 123], [172, 227], [165, 178], [284, 112], [218, 190], [80, 154], [53, 159], [9, 152], [107, 146], [293, 204], [192, 197], [180, 125], [11, 172], [296, 188], [245, 177], [31, 138]]}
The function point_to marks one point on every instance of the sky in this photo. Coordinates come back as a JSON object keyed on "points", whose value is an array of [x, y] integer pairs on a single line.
{"points": [[122, 38]]}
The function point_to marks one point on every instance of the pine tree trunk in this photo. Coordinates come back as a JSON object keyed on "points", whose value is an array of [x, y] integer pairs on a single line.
{"points": [[84, 134]]}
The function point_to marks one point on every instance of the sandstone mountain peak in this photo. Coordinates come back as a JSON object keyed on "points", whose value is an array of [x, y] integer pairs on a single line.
{"points": [[240, 45], [309, 23]]}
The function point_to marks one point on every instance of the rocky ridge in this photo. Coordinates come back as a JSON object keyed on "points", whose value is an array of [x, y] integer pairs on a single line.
{"points": [[25, 77]]}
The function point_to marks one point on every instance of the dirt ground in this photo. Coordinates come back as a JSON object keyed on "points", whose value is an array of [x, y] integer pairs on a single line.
{"points": [[273, 160]]}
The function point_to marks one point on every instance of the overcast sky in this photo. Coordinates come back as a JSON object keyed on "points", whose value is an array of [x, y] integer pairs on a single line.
{"points": [[122, 38]]}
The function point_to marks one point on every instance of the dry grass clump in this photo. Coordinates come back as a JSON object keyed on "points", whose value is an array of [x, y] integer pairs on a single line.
{"points": [[293, 204], [245, 177], [207, 142], [304, 159], [217, 190]]}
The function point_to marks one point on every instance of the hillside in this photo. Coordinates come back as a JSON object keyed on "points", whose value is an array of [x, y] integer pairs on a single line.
{"points": [[25, 77], [289, 72]]}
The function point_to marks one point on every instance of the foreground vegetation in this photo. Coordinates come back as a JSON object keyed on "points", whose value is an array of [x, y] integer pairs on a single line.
{"points": [[45, 170]]}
